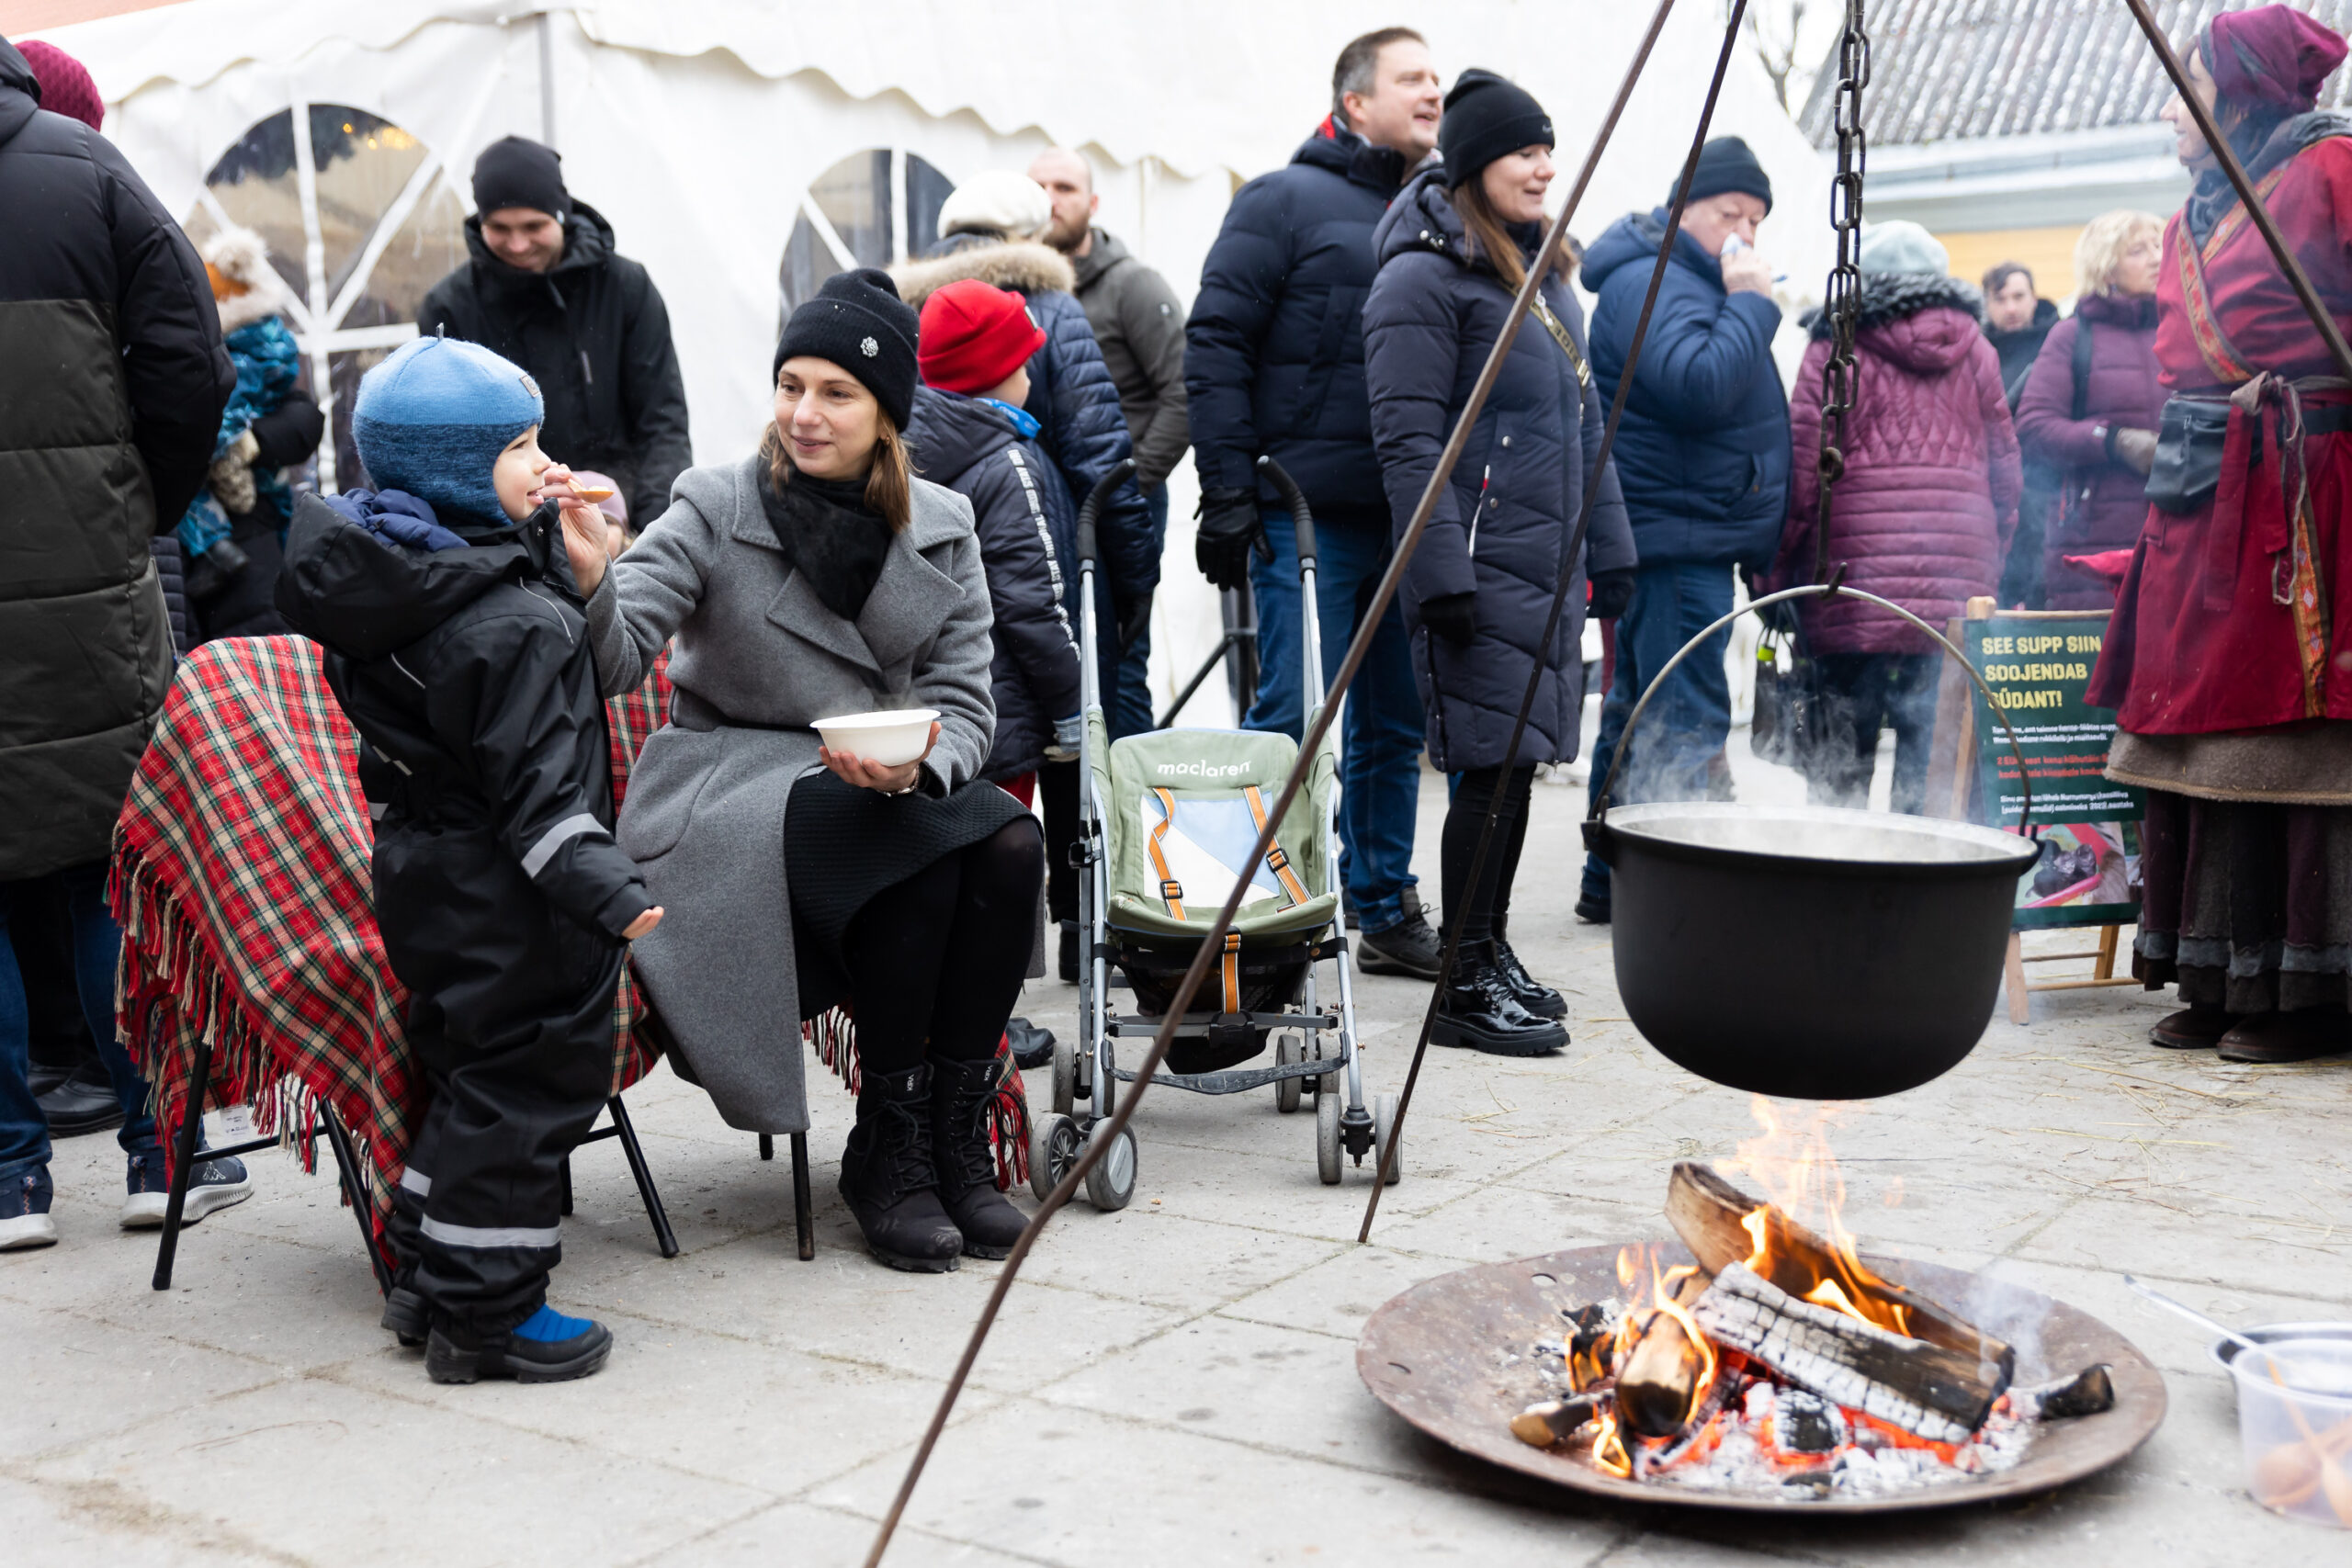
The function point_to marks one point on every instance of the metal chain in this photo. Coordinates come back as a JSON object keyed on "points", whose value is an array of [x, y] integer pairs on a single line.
{"points": [[1843, 300]]}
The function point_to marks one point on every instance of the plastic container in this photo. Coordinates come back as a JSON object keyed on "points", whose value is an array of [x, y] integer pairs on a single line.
{"points": [[2295, 1419], [886, 739]]}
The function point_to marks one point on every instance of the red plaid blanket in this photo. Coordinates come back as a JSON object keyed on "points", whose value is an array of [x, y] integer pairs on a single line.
{"points": [[241, 878]]}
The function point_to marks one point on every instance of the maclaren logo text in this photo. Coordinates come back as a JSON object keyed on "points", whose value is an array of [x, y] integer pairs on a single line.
{"points": [[1201, 770]]}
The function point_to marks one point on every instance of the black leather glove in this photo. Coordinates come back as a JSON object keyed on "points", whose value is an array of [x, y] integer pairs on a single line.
{"points": [[1231, 530], [1133, 617], [1612, 591], [1450, 615]]}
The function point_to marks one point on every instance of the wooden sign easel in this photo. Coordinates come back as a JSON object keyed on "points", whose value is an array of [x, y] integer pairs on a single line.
{"points": [[1952, 755]]}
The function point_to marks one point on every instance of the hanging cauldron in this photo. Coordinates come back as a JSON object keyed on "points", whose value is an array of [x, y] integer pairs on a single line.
{"points": [[1808, 952]]}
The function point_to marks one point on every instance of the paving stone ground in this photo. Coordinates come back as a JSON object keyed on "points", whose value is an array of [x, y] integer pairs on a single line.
{"points": [[1171, 1385]]}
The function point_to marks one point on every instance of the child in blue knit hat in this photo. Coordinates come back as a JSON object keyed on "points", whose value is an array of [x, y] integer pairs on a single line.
{"points": [[457, 645]]}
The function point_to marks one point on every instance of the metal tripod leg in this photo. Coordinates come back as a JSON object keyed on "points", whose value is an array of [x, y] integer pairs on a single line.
{"points": [[636, 1167], [804, 1211], [184, 1170]]}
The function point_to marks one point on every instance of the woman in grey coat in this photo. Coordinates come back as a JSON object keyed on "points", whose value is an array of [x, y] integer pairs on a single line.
{"points": [[817, 578]]}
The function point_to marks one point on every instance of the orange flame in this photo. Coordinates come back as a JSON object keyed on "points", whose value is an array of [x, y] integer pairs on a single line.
{"points": [[1609, 1448], [1801, 1177]]}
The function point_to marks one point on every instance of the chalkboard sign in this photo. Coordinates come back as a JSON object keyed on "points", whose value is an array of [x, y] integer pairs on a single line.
{"points": [[2039, 665]]}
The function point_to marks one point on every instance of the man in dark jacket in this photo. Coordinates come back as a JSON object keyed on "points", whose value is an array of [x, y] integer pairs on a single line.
{"points": [[2018, 322], [112, 380], [1140, 325], [545, 290], [1273, 364], [1704, 457]]}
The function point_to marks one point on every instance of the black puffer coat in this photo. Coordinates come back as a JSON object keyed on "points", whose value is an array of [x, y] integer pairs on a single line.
{"points": [[112, 380], [1071, 394], [1501, 527], [468, 673], [595, 335], [1274, 348], [1026, 529]]}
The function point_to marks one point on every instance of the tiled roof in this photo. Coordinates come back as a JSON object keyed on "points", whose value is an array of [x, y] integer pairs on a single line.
{"points": [[1946, 69]]}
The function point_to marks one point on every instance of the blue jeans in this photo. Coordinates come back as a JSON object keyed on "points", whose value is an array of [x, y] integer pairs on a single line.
{"points": [[1129, 709], [23, 1131], [1380, 769], [1689, 720]]}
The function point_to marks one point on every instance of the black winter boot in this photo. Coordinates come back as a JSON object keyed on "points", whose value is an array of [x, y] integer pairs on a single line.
{"points": [[1480, 1010], [886, 1175], [1533, 995], [960, 1095]]}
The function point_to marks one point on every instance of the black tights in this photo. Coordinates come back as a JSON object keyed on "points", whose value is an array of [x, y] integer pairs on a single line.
{"points": [[1481, 917], [936, 962]]}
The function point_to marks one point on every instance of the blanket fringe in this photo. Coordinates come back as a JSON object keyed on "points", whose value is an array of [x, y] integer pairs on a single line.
{"points": [[1008, 1121], [833, 1032]]}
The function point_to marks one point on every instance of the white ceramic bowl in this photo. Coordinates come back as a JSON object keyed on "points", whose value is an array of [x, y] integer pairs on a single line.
{"points": [[886, 739], [2298, 1438]]}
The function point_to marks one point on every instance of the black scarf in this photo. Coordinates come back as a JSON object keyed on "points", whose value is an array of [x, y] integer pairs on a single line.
{"points": [[830, 537]]}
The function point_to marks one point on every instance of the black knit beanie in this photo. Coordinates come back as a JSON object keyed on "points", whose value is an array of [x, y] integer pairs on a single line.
{"points": [[1487, 118], [1726, 163], [518, 171], [858, 321]]}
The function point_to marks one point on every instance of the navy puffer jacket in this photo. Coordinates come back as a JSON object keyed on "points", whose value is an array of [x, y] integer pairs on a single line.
{"points": [[1273, 351], [1071, 394], [1502, 525], [1703, 449], [1026, 529]]}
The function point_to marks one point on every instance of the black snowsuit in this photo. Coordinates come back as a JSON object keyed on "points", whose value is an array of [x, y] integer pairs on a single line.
{"points": [[499, 891], [1028, 545], [594, 333]]}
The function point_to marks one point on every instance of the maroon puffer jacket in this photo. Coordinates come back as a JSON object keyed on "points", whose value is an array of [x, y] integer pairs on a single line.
{"points": [[1929, 497], [2101, 503]]}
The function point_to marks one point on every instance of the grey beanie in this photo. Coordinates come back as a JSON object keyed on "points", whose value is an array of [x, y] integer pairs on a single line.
{"points": [[1900, 245]]}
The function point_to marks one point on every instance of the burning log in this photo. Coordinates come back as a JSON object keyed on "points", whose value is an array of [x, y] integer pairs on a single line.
{"points": [[2087, 1392], [1668, 1364], [1929, 1390], [1554, 1421], [1713, 1217]]}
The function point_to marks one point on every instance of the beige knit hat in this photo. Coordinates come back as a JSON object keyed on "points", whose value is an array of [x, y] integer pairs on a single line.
{"points": [[1012, 204]]}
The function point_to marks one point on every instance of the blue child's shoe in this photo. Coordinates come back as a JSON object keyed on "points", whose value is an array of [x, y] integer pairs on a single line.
{"points": [[546, 1346]]}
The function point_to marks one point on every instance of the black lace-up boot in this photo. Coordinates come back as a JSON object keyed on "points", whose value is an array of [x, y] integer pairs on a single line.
{"points": [[1480, 1010], [1533, 995], [888, 1179], [961, 1093]]}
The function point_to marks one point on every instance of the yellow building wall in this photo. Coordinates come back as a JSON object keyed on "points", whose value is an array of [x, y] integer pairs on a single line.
{"points": [[2047, 253]]}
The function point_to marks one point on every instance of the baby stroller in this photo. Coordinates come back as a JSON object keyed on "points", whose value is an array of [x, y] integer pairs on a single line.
{"points": [[1167, 821]]}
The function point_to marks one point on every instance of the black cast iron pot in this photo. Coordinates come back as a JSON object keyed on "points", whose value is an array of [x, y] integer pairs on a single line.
{"points": [[1808, 952]]}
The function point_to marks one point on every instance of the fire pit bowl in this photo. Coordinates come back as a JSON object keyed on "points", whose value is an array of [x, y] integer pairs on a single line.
{"points": [[1450, 1356], [1810, 952]]}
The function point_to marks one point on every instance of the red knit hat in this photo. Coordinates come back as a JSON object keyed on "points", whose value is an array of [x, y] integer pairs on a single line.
{"points": [[973, 336], [65, 85]]}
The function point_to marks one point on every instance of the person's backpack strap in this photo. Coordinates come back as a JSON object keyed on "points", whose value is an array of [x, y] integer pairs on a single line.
{"points": [[2082, 365]]}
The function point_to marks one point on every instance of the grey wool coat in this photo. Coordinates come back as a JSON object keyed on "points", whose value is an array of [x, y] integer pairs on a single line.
{"points": [[705, 812]]}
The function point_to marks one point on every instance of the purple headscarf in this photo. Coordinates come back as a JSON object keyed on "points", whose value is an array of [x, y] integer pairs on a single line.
{"points": [[2272, 55]]}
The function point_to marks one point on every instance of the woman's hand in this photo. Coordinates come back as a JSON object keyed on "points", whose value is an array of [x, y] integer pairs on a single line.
{"points": [[851, 768], [642, 924], [2136, 450], [584, 540]]}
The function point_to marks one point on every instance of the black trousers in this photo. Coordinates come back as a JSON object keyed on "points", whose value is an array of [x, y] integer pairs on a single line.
{"points": [[1858, 696], [1058, 801], [1481, 913], [935, 963], [511, 1016]]}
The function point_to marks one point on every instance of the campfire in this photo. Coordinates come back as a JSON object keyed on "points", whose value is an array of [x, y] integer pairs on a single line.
{"points": [[1778, 1360]]}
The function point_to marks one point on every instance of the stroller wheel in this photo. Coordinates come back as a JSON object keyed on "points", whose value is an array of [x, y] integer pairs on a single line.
{"points": [[1384, 1133], [1053, 1149], [1287, 1053], [1329, 1082], [1111, 1185], [1327, 1138], [1065, 1076]]}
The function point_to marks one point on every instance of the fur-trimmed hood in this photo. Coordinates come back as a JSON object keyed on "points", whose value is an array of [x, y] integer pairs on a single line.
{"points": [[1025, 267], [241, 257], [1891, 296]]}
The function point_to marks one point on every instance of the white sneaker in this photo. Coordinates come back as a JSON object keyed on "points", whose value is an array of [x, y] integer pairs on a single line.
{"points": [[218, 1184], [24, 1212]]}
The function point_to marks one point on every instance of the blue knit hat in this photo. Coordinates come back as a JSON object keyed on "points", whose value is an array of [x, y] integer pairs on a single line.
{"points": [[432, 419]]}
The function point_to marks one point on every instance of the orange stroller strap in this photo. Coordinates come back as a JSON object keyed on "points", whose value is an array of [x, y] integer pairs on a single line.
{"points": [[1232, 968], [1170, 890], [1277, 861]]}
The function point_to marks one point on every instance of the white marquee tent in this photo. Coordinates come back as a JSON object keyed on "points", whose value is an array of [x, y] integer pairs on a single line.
{"points": [[744, 150]]}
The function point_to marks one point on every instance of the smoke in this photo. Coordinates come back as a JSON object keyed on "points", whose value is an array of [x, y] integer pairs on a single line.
{"points": [[2009, 1311]]}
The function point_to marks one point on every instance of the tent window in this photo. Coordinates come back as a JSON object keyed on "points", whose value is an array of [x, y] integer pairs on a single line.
{"points": [[361, 220], [873, 208]]}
